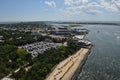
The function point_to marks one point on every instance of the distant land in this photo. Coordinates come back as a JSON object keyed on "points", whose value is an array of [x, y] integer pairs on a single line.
{"points": [[70, 22], [90, 22], [9, 22]]}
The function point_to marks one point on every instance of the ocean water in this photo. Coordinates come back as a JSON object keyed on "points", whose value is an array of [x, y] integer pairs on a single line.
{"points": [[103, 62]]}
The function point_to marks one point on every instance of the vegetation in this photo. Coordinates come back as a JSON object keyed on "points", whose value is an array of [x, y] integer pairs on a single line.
{"points": [[21, 38], [11, 58], [24, 25], [75, 25], [83, 32], [16, 37], [43, 64]]}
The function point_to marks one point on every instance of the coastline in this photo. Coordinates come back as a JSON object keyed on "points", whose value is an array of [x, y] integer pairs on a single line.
{"points": [[69, 68]]}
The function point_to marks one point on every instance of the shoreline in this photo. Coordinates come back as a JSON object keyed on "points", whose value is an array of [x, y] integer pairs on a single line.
{"points": [[79, 69], [69, 68]]}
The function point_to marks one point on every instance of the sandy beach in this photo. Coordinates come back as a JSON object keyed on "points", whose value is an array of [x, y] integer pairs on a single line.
{"points": [[66, 69]]}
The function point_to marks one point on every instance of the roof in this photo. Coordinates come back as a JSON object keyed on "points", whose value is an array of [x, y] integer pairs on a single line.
{"points": [[7, 78]]}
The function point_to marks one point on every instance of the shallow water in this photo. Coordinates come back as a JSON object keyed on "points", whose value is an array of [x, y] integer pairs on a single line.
{"points": [[103, 62]]}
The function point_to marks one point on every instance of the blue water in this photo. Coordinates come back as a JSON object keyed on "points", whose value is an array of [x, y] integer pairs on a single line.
{"points": [[103, 62]]}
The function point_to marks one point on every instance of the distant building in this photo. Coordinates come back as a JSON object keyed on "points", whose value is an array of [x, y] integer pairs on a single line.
{"points": [[36, 34], [83, 43], [1, 38], [7, 78], [78, 30], [59, 30]]}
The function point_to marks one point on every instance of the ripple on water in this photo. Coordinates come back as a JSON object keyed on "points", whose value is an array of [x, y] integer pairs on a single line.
{"points": [[104, 61]]}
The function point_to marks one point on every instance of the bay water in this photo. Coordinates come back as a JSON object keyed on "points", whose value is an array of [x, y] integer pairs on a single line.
{"points": [[103, 63]]}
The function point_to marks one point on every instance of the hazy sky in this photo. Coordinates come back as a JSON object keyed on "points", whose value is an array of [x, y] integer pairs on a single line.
{"points": [[59, 10]]}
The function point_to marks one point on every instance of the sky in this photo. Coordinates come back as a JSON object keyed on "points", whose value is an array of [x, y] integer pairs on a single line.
{"points": [[59, 10]]}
